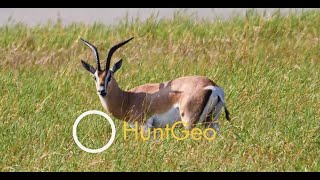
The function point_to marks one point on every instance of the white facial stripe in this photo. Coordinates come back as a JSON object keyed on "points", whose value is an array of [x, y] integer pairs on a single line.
{"points": [[99, 88], [96, 75]]}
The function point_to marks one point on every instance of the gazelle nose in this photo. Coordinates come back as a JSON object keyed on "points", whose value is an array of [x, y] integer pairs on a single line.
{"points": [[103, 93]]}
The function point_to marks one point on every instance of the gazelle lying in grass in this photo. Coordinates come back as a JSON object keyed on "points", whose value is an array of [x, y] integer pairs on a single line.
{"points": [[191, 99]]}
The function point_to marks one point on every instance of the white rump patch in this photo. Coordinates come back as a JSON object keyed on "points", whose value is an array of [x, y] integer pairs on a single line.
{"points": [[213, 103]]}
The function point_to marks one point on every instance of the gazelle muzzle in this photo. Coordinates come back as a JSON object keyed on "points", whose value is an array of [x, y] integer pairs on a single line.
{"points": [[102, 90]]}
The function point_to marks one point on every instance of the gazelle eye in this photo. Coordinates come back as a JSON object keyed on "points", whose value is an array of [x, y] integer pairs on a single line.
{"points": [[95, 78]]}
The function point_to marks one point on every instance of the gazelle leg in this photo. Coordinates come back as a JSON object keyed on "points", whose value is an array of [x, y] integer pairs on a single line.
{"points": [[215, 114], [148, 125], [214, 125]]}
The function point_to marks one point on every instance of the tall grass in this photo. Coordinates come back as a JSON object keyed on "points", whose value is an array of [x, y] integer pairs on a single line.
{"points": [[268, 67]]}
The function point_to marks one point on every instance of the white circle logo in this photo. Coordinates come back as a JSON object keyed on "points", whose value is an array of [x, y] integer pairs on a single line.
{"points": [[75, 137]]}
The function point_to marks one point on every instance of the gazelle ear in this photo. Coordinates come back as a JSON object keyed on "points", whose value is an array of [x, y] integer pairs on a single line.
{"points": [[88, 67], [117, 66]]}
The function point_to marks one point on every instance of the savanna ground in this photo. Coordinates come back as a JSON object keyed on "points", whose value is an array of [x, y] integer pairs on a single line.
{"points": [[268, 66]]}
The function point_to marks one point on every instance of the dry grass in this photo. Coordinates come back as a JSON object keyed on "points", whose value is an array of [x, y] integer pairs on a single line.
{"points": [[268, 67]]}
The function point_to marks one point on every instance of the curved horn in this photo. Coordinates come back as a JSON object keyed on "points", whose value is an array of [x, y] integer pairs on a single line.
{"points": [[112, 50], [95, 52]]}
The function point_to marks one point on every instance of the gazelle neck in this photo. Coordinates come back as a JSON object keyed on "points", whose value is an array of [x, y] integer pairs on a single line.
{"points": [[115, 102]]}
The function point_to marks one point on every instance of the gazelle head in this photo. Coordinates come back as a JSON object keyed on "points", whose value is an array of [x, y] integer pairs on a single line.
{"points": [[103, 77]]}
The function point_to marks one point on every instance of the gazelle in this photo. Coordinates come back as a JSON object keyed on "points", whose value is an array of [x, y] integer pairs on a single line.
{"points": [[191, 99]]}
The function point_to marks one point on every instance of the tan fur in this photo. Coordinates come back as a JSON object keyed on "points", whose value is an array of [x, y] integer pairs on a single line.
{"points": [[185, 95], [143, 101]]}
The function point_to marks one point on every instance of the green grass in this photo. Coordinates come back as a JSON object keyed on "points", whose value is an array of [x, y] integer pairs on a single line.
{"points": [[268, 66]]}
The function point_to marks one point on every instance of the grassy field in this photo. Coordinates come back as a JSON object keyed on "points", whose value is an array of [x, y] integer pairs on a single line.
{"points": [[268, 66]]}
